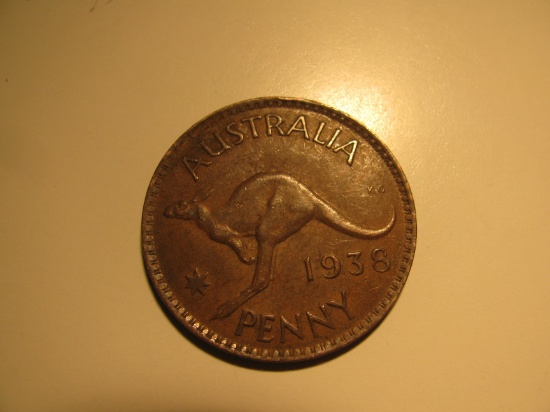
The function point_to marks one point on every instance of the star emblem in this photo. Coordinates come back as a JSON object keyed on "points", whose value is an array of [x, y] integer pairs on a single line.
{"points": [[197, 282]]}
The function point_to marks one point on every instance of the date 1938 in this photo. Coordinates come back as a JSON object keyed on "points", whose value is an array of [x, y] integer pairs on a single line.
{"points": [[333, 266]]}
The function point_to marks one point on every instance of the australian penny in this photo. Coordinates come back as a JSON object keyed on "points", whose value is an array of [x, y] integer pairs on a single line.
{"points": [[278, 230]]}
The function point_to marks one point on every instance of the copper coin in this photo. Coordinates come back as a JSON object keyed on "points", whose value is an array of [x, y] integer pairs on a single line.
{"points": [[278, 230]]}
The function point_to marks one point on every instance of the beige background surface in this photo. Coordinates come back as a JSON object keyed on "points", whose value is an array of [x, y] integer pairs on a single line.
{"points": [[92, 93]]}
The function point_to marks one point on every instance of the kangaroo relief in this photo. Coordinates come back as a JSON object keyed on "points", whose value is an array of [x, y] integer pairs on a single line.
{"points": [[267, 208]]}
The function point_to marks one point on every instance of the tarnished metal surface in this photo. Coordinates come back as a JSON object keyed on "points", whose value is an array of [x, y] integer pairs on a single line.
{"points": [[278, 230]]}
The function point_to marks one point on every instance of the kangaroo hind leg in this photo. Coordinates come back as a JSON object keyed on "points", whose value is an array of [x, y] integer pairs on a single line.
{"points": [[259, 283]]}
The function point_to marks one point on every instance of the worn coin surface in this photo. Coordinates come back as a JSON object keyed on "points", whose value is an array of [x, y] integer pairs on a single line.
{"points": [[278, 230]]}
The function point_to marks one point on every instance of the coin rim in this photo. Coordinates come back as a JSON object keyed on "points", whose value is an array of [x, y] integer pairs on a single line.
{"points": [[206, 334]]}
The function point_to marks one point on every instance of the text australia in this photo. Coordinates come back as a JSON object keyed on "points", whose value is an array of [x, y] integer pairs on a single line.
{"points": [[217, 143]]}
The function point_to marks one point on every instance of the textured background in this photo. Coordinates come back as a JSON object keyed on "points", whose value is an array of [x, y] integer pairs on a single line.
{"points": [[92, 93]]}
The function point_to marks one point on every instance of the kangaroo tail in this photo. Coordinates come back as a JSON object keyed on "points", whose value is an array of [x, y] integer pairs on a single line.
{"points": [[331, 217]]}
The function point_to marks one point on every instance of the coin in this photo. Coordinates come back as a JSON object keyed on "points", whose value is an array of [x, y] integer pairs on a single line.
{"points": [[278, 230]]}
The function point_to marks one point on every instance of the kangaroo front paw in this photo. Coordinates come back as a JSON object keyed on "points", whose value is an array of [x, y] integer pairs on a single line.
{"points": [[245, 250], [248, 260], [245, 256], [225, 310]]}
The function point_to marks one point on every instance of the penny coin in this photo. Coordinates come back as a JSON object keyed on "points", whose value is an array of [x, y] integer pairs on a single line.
{"points": [[278, 230]]}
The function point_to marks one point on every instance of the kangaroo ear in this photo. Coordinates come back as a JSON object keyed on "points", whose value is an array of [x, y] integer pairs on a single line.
{"points": [[201, 196]]}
